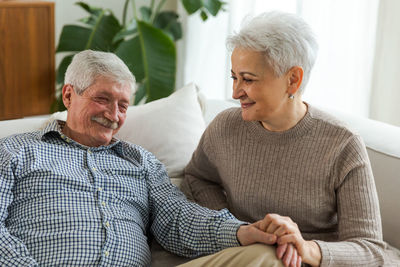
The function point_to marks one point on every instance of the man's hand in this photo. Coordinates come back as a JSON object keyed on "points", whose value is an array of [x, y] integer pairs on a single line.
{"points": [[249, 234]]}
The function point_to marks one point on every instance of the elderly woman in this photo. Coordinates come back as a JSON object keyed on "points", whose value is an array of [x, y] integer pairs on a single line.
{"points": [[279, 155]]}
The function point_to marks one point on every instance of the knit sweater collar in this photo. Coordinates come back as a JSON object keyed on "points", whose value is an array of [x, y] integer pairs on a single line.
{"points": [[304, 126]]}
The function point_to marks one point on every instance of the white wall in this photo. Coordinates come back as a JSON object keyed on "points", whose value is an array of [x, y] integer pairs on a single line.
{"points": [[386, 76]]}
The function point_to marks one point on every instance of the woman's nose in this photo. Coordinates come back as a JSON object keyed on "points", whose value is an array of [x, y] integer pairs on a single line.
{"points": [[237, 91]]}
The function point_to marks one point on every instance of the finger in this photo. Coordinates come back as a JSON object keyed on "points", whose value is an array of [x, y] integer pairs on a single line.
{"points": [[288, 255], [280, 250], [253, 235], [289, 238], [280, 231], [293, 262], [263, 237], [272, 227], [299, 261], [264, 223]]}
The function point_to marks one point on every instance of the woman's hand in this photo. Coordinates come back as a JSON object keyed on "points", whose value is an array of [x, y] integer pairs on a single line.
{"points": [[288, 233], [250, 234]]}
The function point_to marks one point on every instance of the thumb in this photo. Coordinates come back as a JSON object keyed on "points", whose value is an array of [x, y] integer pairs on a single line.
{"points": [[263, 237]]}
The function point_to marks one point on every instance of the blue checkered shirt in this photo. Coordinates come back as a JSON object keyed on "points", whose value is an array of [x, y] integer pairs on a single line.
{"points": [[62, 203]]}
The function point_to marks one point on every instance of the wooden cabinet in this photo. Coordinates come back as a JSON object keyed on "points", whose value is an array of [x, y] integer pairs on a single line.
{"points": [[27, 68]]}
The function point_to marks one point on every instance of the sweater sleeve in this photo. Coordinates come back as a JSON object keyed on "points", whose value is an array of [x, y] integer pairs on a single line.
{"points": [[359, 223], [202, 183]]}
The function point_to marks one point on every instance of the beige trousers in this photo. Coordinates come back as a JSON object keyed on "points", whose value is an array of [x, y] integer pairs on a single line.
{"points": [[257, 255]]}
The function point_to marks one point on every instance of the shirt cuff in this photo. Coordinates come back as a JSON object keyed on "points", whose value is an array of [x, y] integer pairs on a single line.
{"points": [[227, 236]]}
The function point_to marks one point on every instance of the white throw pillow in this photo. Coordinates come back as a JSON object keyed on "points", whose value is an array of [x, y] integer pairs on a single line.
{"points": [[170, 128]]}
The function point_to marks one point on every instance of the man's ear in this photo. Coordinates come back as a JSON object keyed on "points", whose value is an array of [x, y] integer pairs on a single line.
{"points": [[295, 77], [67, 92]]}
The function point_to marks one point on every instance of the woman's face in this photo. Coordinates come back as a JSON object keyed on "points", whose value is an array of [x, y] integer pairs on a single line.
{"points": [[263, 97]]}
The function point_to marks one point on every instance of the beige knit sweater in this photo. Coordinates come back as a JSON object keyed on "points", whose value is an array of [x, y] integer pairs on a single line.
{"points": [[317, 173]]}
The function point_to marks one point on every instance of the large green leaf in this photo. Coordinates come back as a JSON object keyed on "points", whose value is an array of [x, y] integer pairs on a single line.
{"points": [[168, 22], [131, 53], [192, 6], [102, 34], [98, 37], [73, 38], [213, 6], [93, 11], [158, 55], [62, 68], [90, 9], [159, 60], [126, 32], [146, 13], [140, 93]]}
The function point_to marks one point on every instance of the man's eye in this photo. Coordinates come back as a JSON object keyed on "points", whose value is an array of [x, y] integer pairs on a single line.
{"points": [[123, 108], [101, 99], [247, 80], [233, 78]]}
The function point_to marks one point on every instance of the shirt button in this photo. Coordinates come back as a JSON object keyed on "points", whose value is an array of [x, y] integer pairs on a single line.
{"points": [[94, 168], [89, 151], [100, 189], [103, 203], [106, 253], [107, 224]]}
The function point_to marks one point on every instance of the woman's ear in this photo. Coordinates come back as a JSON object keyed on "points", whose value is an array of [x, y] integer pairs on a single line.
{"points": [[67, 92], [295, 76]]}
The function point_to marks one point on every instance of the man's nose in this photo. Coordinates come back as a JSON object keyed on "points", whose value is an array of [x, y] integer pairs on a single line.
{"points": [[112, 112]]}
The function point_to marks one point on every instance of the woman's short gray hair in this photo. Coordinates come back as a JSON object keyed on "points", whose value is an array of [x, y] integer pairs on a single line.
{"points": [[88, 65], [284, 38]]}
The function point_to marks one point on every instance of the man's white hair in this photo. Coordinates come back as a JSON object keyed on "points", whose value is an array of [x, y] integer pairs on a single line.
{"points": [[285, 39], [88, 65]]}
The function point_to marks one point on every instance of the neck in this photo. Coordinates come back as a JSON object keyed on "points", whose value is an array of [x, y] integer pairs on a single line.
{"points": [[287, 117], [79, 137]]}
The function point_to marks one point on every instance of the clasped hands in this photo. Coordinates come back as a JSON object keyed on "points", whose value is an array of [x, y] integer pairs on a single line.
{"points": [[292, 249]]}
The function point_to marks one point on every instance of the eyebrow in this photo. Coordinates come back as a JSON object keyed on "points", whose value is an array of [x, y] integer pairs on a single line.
{"points": [[245, 72]]}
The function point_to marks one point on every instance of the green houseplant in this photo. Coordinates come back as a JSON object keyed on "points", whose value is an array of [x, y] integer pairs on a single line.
{"points": [[146, 43]]}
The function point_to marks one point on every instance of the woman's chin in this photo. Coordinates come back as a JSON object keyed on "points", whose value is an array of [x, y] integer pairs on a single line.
{"points": [[248, 116]]}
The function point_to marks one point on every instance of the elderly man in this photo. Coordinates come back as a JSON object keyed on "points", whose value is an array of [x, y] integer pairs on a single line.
{"points": [[73, 195]]}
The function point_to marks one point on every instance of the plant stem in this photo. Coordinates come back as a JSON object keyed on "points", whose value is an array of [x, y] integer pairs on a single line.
{"points": [[134, 10], [158, 8], [124, 13], [152, 6]]}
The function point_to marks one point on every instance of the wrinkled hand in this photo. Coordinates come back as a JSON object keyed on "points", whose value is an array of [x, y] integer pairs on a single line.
{"points": [[251, 234], [288, 233]]}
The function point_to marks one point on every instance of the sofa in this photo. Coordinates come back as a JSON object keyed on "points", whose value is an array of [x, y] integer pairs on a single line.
{"points": [[171, 127]]}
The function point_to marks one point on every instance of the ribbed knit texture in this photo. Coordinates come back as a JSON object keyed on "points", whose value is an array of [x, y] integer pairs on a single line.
{"points": [[317, 173]]}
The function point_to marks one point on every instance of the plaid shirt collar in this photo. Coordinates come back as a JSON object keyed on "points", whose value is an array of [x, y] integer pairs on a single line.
{"points": [[56, 126]]}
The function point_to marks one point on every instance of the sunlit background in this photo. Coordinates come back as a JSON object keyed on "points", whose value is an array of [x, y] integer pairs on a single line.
{"points": [[358, 64]]}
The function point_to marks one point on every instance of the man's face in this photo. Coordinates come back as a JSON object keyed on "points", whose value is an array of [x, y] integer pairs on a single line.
{"points": [[96, 115]]}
